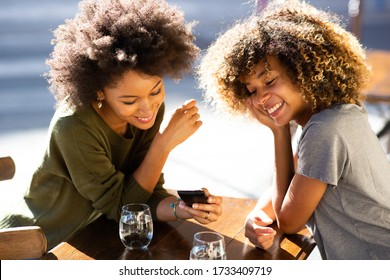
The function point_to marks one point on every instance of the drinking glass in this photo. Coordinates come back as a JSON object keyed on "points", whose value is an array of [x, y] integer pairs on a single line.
{"points": [[136, 226], [208, 245]]}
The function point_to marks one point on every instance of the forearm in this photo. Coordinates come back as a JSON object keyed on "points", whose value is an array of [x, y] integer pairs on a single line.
{"points": [[165, 211], [265, 204], [184, 123], [284, 169], [148, 173]]}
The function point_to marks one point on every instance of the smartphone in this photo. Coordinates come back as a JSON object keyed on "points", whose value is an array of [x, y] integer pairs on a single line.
{"points": [[190, 197]]}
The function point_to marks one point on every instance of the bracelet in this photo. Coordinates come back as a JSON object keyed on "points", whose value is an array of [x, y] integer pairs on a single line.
{"points": [[173, 205]]}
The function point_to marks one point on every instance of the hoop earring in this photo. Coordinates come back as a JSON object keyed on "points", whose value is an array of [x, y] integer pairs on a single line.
{"points": [[100, 103]]}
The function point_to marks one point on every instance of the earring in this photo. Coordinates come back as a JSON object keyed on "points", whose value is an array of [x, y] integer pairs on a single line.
{"points": [[100, 103]]}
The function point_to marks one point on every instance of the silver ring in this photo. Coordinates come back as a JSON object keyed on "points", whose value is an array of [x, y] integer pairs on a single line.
{"points": [[207, 215]]}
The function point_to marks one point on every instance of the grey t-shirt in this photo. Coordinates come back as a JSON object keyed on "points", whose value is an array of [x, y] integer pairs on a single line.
{"points": [[352, 220]]}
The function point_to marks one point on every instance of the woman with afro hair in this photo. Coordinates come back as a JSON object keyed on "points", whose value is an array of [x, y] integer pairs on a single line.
{"points": [[105, 148], [293, 63]]}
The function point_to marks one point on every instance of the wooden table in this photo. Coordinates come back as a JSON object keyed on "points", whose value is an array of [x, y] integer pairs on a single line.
{"points": [[173, 240]]}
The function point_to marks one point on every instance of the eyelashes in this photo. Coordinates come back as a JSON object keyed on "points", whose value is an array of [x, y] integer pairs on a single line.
{"points": [[133, 102], [270, 82], [267, 83]]}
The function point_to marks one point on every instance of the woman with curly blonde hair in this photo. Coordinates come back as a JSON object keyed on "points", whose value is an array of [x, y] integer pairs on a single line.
{"points": [[295, 63], [105, 148]]}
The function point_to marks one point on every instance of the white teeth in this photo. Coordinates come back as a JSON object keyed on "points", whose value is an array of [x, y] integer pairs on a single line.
{"points": [[274, 108], [145, 119]]}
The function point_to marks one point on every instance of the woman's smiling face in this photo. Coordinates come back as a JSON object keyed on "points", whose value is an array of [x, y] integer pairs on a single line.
{"points": [[135, 99], [274, 93]]}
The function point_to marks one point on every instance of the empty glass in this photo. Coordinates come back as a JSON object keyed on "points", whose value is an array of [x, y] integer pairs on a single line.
{"points": [[208, 245], [136, 226]]}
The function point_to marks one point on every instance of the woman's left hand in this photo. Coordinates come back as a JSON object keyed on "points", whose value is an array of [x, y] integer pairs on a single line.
{"points": [[259, 113], [205, 213], [184, 122]]}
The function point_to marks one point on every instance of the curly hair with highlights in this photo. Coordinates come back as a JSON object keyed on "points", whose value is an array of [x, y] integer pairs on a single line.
{"points": [[326, 62], [107, 38]]}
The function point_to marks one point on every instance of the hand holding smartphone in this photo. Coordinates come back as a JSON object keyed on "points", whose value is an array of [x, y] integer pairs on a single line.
{"points": [[195, 196]]}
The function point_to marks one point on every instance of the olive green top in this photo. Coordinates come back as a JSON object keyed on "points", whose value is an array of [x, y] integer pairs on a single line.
{"points": [[86, 171]]}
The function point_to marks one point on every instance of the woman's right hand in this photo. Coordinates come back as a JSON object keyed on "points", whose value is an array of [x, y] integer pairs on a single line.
{"points": [[258, 231]]}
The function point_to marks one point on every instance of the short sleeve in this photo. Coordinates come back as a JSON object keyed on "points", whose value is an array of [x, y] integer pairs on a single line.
{"points": [[322, 153]]}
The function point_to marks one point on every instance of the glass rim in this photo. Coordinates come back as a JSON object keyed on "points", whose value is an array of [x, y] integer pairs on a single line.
{"points": [[210, 233], [143, 207]]}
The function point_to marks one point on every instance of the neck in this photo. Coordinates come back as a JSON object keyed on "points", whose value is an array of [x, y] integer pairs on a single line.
{"points": [[117, 125]]}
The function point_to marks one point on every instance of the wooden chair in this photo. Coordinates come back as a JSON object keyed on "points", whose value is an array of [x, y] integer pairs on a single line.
{"points": [[27, 242], [7, 168], [19, 243]]}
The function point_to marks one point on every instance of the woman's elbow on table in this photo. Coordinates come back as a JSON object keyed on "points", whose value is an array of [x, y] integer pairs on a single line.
{"points": [[289, 225]]}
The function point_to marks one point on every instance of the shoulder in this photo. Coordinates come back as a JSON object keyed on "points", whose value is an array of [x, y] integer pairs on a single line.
{"points": [[67, 124], [341, 116], [340, 112]]}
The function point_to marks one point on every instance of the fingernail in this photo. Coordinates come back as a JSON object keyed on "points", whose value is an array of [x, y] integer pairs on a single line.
{"points": [[181, 204], [195, 205]]}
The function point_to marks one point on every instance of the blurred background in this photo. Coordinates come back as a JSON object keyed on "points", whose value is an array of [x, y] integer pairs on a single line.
{"points": [[232, 157]]}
